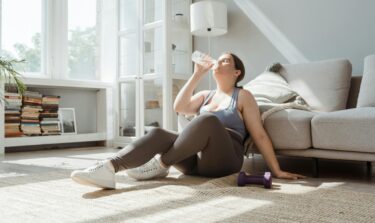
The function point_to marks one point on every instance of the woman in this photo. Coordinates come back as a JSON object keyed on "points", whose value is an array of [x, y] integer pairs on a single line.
{"points": [[210, 145]]}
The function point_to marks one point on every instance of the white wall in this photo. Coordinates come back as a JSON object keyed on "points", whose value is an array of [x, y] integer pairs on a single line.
{"points": [[324, 29], [318, 29], [244, 40]]}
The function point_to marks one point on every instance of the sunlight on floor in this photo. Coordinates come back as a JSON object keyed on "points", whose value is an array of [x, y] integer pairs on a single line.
{"points": [[12, 174], [98, 156], [294, 188], [300, 187], [53, 162], [78, 161], [221, 208], [331, 184]]}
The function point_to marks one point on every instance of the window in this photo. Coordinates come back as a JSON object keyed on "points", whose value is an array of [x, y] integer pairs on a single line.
{"points": [[57, 39], [82, 39], [128, 15], [23, 34]]}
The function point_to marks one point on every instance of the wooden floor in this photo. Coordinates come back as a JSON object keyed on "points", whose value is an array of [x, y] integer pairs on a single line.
{"points": [[349, 175]]}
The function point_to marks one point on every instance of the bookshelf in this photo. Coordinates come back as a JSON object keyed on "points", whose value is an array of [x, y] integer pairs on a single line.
{"points": [[89, 100]]}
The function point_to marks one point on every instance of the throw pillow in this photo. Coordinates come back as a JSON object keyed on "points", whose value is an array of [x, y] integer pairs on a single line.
{"points": [[366, 97], [270, 87], [324, 85]]}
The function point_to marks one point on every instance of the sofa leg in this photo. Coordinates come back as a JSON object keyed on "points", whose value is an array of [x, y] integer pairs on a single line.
{"points": [[315, 167], [369, 168]]}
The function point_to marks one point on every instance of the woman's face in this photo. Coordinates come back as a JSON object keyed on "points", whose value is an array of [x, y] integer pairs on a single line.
{"points": [[226, 66]]}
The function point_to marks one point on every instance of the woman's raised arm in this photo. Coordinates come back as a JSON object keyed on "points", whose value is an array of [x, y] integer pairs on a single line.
{"points": [[185, 102]]}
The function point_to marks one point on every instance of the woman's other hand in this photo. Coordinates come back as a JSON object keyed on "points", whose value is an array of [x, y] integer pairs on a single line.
{"points": [[289, 176]]}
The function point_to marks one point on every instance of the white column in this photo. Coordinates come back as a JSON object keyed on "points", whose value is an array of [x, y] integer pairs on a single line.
{"points": [[167, 56], [2, 138], [57, 40]]}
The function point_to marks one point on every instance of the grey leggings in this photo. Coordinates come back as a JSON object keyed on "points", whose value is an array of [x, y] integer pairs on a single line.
{"points": [[205, 147]]}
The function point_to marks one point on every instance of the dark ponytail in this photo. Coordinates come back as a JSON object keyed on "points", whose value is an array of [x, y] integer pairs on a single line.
{"points": [[238, 64]]}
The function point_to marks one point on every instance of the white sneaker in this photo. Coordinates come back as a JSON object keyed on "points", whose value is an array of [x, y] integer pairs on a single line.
{"points": [[150, 170], [101, 175]]}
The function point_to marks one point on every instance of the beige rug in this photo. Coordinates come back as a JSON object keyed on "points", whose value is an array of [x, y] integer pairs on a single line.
{"points": [[53, 197]]}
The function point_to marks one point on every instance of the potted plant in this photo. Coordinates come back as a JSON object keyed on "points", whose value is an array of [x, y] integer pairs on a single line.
{"points": [[10, 77]]}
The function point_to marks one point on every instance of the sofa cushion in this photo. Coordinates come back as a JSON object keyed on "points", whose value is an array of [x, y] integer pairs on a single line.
{"points": [[324, 85], [366, 97], [270, 87], [290, 129], [347, 130]]}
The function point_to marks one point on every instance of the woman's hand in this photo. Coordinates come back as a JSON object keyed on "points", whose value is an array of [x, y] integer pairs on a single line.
{"points": [[202, 69], [289, 176]]}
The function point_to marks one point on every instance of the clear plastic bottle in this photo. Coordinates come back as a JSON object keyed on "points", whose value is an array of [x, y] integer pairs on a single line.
{"points": [[202, 58]]}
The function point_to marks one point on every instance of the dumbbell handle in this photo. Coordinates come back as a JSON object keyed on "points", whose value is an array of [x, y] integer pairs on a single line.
{"points": [[255, 180], [265, 180]]}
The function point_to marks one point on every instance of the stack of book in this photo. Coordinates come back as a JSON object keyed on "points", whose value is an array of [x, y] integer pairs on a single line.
{"points": [[32, 106], [49, 116], [13, 102]]}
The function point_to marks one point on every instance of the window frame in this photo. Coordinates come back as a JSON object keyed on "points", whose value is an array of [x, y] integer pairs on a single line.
{"points": [[54, 52]]}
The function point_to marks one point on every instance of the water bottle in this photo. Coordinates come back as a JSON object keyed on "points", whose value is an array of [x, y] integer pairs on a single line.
{"points": [[202, 59]]}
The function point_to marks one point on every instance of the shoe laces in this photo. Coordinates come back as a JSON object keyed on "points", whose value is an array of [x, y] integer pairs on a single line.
{"points": [[149, 166], [98, 165]]}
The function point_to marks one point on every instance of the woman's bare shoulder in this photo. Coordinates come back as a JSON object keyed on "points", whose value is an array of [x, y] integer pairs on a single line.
{"points": [[245, 97]]}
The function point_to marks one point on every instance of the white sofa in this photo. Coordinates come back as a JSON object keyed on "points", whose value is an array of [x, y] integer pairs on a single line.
{"points": [[342, 125]]}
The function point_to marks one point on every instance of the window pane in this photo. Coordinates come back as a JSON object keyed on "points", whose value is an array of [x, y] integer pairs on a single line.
{"points": [[152, 10], [153, 94], [153, 45], [128, 14], [127, 113], [128, 55], [82, 39], [22, 33]]}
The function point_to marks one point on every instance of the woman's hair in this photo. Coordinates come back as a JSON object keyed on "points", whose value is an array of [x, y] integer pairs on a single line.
{"points": [[238, 64]]}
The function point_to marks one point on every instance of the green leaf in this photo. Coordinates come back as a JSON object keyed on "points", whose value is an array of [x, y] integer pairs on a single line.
{"points": [[10, 76]]}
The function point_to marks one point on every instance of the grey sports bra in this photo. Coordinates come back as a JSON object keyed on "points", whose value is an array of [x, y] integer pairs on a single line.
{"points": [[228, 116]]}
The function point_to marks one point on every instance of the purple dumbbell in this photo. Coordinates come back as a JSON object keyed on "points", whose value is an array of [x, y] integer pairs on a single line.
{"points": [[265, 180]]}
